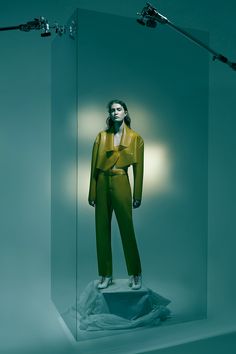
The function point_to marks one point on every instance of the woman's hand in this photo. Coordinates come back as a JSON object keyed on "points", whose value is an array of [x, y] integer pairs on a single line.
{"points": [[92, 203], [136, 203]]}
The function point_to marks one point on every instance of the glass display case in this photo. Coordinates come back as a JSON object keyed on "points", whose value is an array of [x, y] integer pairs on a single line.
{"points": [[163, 78]]}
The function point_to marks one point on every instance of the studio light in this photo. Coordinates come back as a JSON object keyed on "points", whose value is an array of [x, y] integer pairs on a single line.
{"points": [[43, 25]]}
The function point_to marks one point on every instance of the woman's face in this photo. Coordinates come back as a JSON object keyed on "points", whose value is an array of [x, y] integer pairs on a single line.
{"points": [[117, 112]]}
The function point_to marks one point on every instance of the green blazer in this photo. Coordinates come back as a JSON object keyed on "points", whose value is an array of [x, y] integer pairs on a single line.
{"points": [[104, 157]]}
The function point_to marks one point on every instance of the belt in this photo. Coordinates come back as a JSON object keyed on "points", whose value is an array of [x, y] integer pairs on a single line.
{"points": [[114, 172]]}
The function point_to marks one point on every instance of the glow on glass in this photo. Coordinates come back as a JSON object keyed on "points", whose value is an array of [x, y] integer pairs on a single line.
{"points": [[156, 168], [157, 162], [91, 120]]}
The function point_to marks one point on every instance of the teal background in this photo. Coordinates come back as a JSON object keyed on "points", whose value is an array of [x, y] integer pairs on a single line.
{"points": [[29, 322]]}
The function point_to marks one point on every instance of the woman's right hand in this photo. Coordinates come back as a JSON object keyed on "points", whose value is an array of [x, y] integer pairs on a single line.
{"points": [[92, 203]]}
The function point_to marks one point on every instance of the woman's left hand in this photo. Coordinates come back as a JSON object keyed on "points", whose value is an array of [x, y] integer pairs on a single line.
{"points": [[136, 203]]}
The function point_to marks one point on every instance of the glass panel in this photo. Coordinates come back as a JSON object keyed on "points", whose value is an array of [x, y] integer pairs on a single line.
{"points": [[163, 78], [64, 174]]}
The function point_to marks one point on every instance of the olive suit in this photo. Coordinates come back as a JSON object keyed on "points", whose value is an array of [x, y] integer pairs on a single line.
{"points": [[110, 189]]}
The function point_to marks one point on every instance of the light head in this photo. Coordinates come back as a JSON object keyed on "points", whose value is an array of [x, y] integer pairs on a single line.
{"points": [[150, 16]]}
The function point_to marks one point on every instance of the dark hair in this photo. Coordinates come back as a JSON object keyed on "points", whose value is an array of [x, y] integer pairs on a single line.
{"points": [[127, 118]]}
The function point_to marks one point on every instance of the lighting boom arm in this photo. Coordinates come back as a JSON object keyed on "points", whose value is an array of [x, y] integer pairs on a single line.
{"points": [[150, 17]]}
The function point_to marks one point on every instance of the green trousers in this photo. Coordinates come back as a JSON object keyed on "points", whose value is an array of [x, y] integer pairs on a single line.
{"points": [[114, 193]]}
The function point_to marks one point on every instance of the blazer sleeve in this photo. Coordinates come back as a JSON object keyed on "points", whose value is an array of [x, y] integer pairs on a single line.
{"points": [[138, 170], [93, 173]]}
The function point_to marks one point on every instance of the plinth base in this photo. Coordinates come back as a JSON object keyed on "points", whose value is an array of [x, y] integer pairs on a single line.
{"points": [[120, 307]]}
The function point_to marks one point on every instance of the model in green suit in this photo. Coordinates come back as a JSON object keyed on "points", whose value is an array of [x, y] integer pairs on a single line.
{"points": [[114, 150]]}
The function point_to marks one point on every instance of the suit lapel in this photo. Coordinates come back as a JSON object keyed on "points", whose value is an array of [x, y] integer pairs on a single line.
{"points": [[109, 143], [125, 139], [109, 156]]}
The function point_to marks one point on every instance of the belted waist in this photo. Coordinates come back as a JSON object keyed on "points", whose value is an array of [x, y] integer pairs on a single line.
{"points": [[114, 172]]}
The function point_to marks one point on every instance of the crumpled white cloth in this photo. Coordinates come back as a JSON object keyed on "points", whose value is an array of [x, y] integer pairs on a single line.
{"points": [[93, 312]]}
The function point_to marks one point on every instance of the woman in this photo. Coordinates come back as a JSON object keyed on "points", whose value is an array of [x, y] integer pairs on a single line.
{"points": [[114, 150]]}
